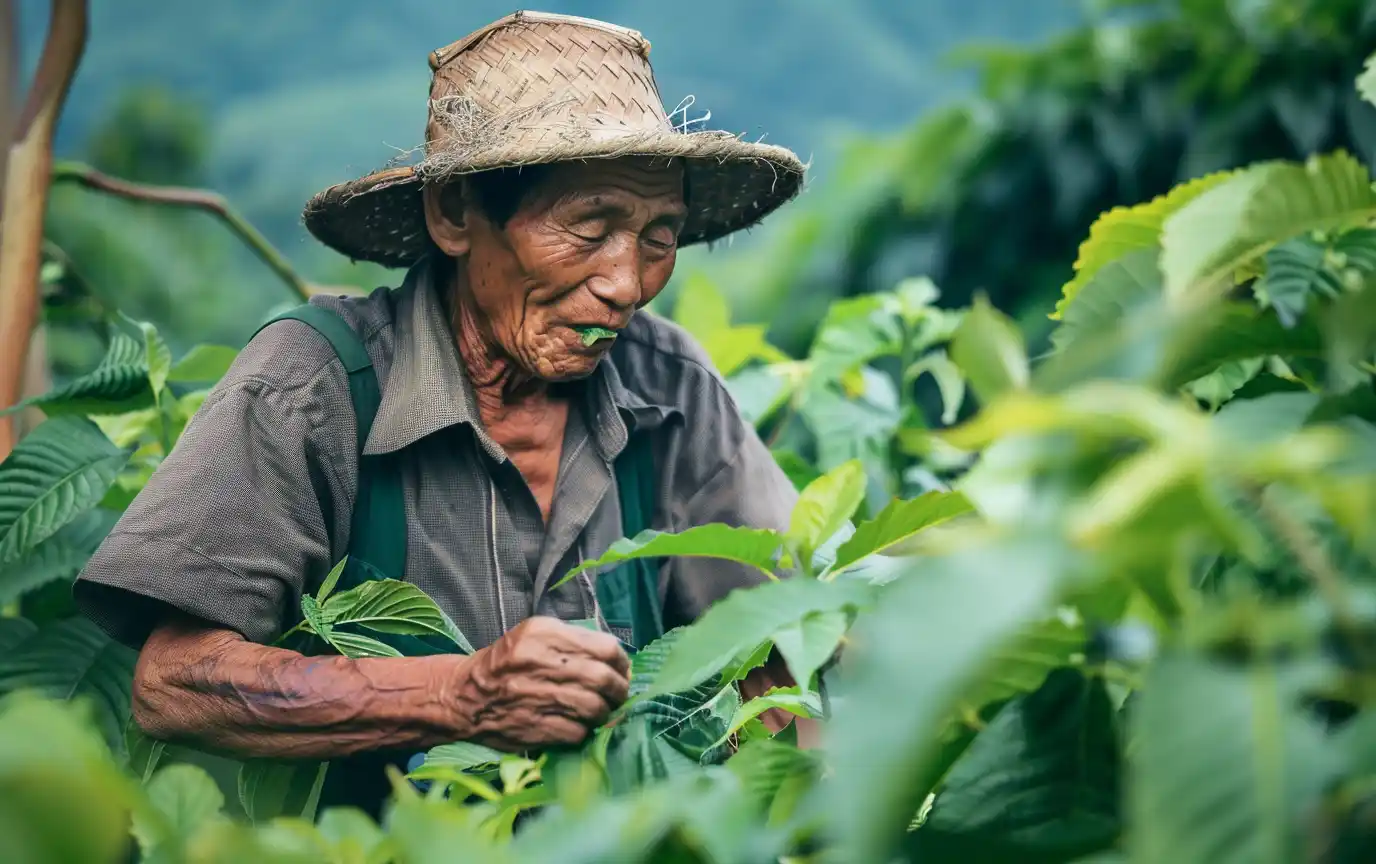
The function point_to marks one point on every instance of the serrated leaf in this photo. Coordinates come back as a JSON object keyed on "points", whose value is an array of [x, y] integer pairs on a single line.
{"points": [[391, 606], [58, 558], [203, 364], [1104, 301], [1219, 386], [269, 788], [989, 349], [897, 522], [791, 699], [808, 644], [1124, 230], [885, 740], [1239, 220], [1255, 750], [826, 505], [855, 331], [118, 384], [1039, 784], [1295, 271], [55, 473], [183, 801], [75, 659], [736, 625], [756, 547]]}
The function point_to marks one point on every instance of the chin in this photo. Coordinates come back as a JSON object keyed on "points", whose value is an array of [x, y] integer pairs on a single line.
{"points": [[570, 369]]}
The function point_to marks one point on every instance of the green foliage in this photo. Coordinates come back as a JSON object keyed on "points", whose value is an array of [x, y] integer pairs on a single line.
{"points": [[1124, 608]]}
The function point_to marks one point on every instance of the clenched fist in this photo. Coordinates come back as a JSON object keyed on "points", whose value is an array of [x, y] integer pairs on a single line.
{"points": [[544, 682]]}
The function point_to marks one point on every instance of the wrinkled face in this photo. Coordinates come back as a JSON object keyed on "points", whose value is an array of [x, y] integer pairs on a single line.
{"points": [[589, 244]]}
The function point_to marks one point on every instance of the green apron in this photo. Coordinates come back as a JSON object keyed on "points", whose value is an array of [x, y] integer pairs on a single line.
{"points": [[628, 596]]}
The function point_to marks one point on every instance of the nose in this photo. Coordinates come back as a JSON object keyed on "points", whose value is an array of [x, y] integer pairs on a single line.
{"points": [[618, 281]]}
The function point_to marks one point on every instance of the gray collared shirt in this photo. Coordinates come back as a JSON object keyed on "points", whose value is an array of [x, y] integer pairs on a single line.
{"points": [[253, 504]]}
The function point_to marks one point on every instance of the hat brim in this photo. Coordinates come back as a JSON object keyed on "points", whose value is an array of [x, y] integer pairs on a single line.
{"points": [[732, 184]]}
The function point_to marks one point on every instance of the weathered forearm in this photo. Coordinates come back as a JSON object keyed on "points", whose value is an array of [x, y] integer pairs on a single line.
{"points": [[211, 688]]}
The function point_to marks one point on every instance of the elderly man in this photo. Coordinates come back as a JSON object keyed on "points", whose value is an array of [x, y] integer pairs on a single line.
{"points": [[501, 416]]}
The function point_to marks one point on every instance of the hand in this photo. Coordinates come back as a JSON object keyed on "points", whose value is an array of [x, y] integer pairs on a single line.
{"points": [[544, 682]]}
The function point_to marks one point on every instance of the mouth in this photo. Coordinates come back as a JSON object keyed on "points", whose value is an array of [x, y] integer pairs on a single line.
{"points": [[592, 335]]}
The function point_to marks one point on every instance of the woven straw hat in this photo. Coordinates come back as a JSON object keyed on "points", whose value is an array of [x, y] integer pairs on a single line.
{"points": [[535, 88]]}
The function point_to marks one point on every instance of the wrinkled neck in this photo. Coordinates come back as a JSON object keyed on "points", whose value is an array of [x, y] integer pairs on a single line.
{"points": [[499, 383]]}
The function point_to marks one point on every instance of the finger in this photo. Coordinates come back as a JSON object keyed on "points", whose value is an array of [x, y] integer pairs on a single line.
{"points": [[593, 675], [597, 645], [557, 729], [578, 703]]}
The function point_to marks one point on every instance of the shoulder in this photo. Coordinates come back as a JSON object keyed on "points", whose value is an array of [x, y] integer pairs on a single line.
{"points": [[291, 355], [659, 362]]}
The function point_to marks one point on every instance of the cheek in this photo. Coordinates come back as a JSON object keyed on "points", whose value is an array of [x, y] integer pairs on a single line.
{"points": [[655, 276]]}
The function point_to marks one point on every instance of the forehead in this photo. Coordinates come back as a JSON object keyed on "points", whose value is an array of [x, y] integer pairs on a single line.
{"points": [[641, 177]]}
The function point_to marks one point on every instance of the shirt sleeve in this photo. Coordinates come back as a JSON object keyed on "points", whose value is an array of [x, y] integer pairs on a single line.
{"points": [[231, 526], [727, 475]]}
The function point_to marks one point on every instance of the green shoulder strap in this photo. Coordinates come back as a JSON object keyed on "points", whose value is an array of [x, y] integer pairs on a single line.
{"points": [[628, 595], [377, 528]]}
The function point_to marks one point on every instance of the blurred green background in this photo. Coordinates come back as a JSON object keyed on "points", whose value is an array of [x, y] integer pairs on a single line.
{"points": [[969, 140]]}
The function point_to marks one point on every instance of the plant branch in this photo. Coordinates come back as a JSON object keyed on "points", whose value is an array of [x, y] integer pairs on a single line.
{"points": [[196, 199], [26, 195]]}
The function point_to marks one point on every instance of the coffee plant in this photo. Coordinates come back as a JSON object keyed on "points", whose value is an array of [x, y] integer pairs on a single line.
{"points": [[1125, 610]]}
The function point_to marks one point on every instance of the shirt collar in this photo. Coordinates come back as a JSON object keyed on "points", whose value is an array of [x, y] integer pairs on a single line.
{"points": [[427, 389]]}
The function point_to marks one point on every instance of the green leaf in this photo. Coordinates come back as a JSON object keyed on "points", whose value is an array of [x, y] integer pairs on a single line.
{"points": [[855, 331], [736, 625], [14, 631], [790, 699], [1229, 333], [62, 798], [118, 384], [462, 755], [701, 308], [269, 788], [808, 644], [734, 347], [766, 766], [144, 752], [58, 558], [1219, 386], [1366, 82], [203, 364], [1233, 783], [1124, 230], [55, 472], [756, 547], [885, 739], [75, 659], [391, 606], [760, 391], [989, 349], [327, 585], [157, 357], [1107, 299], [1265, 418], [183, 800], [826, 505], [897, 522], [1296, 269], [355, 836], [1236, 222], [1039, 784], [355, 645], [949, 382]]}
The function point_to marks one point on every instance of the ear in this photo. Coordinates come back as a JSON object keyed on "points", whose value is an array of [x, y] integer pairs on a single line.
{"points": [[446, 217]]}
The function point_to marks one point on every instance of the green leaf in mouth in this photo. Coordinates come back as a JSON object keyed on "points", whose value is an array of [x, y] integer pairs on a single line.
{"points": [[590, 335]]}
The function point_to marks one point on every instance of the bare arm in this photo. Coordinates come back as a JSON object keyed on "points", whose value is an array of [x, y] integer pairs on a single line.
{"points": [[545, 682]]}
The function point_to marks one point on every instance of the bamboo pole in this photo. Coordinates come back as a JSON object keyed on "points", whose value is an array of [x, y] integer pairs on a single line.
{"points": [[26, 198]]}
